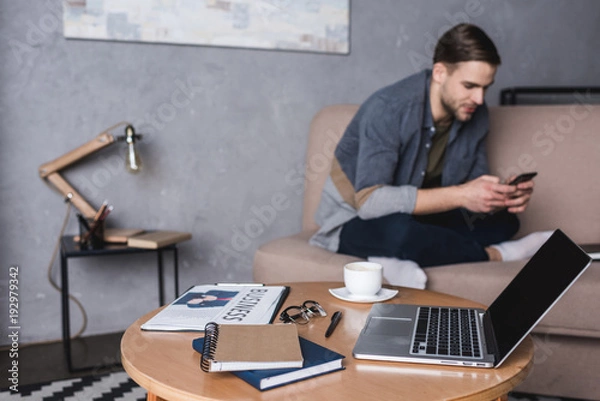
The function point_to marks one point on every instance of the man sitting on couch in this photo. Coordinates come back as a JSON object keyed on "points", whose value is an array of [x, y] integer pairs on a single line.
{"points": [[410, 178]]}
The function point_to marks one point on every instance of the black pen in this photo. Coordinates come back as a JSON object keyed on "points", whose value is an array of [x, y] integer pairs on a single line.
{"points": [[335, 319], [83, 221]]}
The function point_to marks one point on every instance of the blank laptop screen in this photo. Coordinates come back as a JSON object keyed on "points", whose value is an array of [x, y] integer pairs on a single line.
{"points": [[535, 289]]}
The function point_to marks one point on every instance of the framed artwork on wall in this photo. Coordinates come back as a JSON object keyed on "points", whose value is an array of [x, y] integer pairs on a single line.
{"points": [[296, 25]]}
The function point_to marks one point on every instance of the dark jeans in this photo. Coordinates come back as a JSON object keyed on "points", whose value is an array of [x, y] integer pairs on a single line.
{"points": [[456, 236]]}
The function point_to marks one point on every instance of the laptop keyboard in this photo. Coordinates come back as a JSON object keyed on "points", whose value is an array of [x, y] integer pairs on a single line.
{"points": [[446, 332]]}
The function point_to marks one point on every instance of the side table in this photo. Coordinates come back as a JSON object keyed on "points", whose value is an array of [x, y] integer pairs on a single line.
{"points": [[69, 248]]}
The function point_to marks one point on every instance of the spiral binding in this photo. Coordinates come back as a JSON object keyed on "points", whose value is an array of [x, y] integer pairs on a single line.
{"points": [[211, 337]]}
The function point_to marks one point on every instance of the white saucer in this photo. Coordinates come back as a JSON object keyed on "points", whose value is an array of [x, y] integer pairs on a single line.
{"points": [[383, 295]]}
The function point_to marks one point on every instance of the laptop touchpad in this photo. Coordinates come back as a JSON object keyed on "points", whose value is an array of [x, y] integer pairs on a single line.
{"points": [[385, 326]]}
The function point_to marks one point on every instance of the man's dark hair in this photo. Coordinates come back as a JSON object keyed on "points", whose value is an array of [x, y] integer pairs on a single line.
{"points": [[465, 42]]}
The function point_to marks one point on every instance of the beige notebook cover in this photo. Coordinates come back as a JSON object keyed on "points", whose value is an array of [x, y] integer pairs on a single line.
{"points": [[234, 347], [157, 239]]}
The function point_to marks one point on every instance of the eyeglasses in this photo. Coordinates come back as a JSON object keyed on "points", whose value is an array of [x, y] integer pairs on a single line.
{"points": [[302, 314]]}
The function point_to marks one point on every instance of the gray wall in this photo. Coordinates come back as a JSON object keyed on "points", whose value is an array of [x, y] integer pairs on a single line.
{"points": [[234, 148]]}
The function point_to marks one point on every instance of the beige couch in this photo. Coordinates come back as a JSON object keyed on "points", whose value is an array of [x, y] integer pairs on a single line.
{"points": [[562, 143]]}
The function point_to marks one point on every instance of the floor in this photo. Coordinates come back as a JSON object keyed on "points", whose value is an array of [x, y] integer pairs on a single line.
{"points": [[46, 362]]}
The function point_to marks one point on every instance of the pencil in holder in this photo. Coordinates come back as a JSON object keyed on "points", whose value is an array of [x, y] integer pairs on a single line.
{"points": [[91, 233]]}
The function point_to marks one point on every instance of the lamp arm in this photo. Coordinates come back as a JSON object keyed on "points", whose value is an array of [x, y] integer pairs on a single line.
{"points": [[101, 141], [50, 171], [71, 195]]}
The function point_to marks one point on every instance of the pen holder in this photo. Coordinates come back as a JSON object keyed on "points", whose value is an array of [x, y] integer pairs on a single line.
{"points": [[91, 233]]}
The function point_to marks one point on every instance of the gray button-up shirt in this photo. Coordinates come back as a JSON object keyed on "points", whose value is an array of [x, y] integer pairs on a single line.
{"points": [[384, 154]]}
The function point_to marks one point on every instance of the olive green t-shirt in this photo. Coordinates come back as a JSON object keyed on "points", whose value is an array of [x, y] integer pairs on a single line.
{"points": [[437, 151]]}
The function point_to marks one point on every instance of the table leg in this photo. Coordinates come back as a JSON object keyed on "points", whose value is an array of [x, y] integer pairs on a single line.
{"points": [[161, 294], [66, 318], [176, 270], [154, 397]]}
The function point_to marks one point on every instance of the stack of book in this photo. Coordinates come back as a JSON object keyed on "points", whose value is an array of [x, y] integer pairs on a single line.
{"points": [[265, 356], [157, 239]]}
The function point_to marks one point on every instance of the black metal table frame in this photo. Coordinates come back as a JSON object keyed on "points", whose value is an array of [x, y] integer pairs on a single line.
{"points": [[509, 96], [70, 249]]}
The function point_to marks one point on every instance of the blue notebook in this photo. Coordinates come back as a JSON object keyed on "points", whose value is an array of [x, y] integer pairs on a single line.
{"points": [[318, 360]]}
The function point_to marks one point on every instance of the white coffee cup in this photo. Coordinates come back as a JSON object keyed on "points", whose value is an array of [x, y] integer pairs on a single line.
{"points": [[363, 278]]}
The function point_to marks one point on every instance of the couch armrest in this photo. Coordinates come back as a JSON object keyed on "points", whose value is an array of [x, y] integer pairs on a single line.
{"points": [[293, 259]]}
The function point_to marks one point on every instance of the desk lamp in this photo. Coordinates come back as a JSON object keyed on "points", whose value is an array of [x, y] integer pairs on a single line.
{"points": [[50, 171]]}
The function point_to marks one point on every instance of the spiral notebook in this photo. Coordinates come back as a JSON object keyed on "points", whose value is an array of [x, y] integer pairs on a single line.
{"points": [[235, 347]]}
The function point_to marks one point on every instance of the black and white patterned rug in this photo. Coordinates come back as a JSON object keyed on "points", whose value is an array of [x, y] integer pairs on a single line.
{"points": [[117, 386], [107, 387]]}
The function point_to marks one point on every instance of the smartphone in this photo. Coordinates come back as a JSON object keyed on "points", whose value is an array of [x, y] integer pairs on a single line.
{"points": [[522, 178]]}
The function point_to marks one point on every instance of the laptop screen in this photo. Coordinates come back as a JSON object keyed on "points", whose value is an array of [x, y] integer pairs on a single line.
{"points": [[534, 290]]}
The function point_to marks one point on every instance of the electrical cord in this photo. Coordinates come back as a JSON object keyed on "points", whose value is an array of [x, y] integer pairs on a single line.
{"points": [[55, 285]]}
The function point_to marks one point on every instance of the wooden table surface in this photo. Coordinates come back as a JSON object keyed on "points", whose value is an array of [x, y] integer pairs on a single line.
{"points": [[165, 364]]}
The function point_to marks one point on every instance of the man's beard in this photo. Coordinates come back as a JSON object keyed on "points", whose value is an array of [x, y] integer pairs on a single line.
{"points": [[450, 110], [454, 111]]}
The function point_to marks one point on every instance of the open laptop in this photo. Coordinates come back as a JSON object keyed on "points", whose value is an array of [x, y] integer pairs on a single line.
{"points": [[484, 338]]}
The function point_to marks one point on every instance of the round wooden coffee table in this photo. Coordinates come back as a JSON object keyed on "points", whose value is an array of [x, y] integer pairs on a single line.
{"points": [[165, 364]]}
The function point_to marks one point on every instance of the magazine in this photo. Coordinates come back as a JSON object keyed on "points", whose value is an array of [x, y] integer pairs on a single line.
{"points": [[219, 303]]}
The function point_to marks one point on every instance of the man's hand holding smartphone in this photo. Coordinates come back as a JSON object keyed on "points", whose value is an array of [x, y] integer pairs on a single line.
{"points": [[522, 178], [488, 194], [519, 199]]}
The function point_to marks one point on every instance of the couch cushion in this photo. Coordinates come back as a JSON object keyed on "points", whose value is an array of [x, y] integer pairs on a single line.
{"points": [[326, 129], [293, 259], [564, 367], [483, 282], [560, 143]]}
